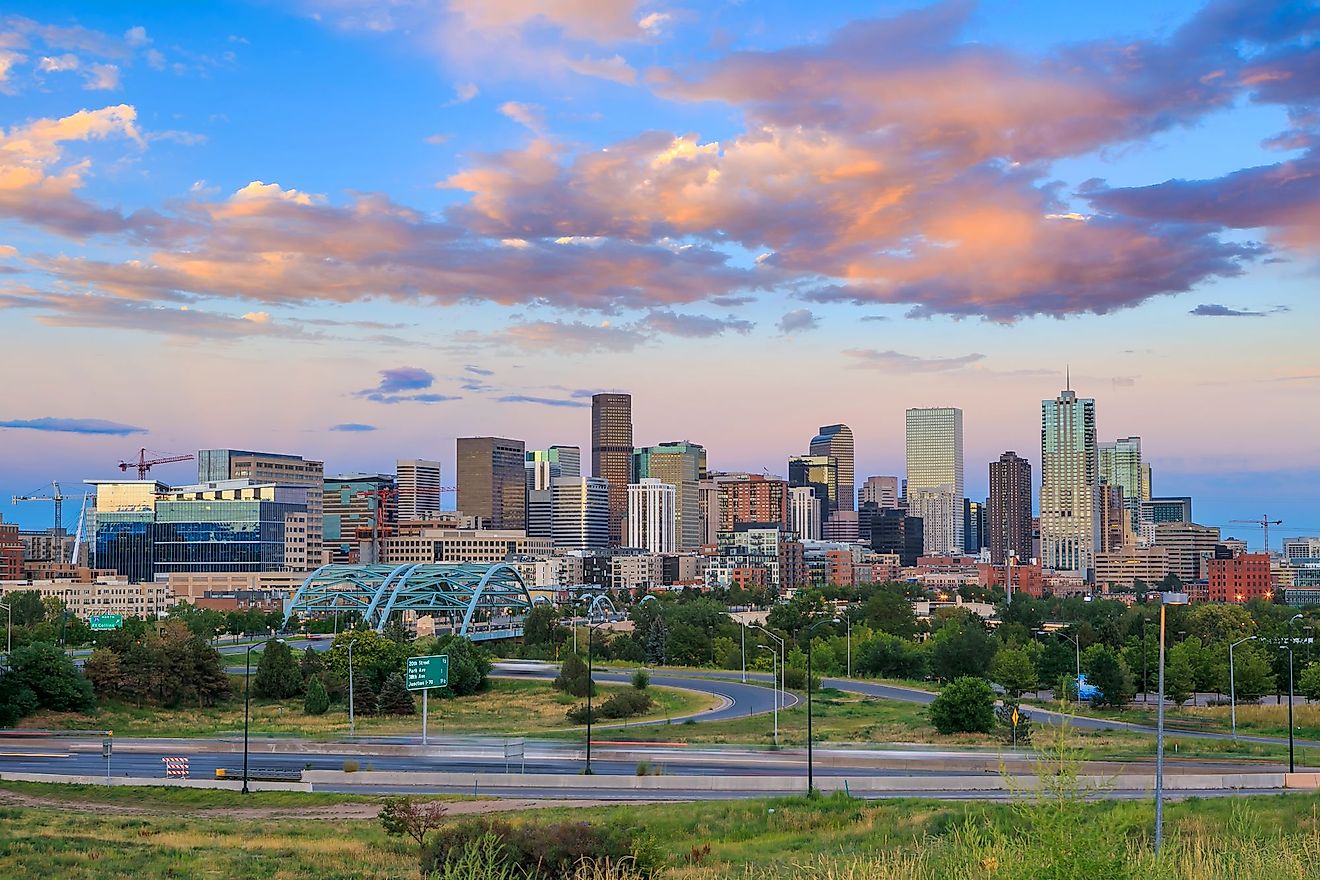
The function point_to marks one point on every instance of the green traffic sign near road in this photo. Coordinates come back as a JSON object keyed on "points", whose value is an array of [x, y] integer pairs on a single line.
{"points": [[107, 621], [427, 672]]}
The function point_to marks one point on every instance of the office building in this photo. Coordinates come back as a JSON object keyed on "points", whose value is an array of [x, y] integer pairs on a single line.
{"points": [[122, 527], [974, 526], [881, 491], [1121, 466], [217, 465], [543, 465], [581, 518], [11, 552], [491, 481], [894, 532], [1114, 518], [1190, 547], [680, 464], [821, 473], [357, 508], [1070, 485], [612, 453], [836, 441], [841, 526], [483, 546], [935, 476], [1131, 567], [804, 513], [751, 498], [1239, 577], [418, 482], [652, 517], [230, 525], [1009, 514]]}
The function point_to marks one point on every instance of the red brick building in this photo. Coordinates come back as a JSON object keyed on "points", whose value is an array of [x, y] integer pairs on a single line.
{"points": [[11, 553], [752, 498], [1240, 578]]}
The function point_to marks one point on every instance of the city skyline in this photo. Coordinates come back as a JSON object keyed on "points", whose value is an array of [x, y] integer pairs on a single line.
{"points": [[634, 200]]}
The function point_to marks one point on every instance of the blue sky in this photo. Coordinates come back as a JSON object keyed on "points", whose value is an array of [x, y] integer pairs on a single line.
{"points": [[219, 223]]}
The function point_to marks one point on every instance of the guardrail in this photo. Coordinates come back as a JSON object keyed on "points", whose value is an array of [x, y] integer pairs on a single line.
{"points": [[268, 774]]}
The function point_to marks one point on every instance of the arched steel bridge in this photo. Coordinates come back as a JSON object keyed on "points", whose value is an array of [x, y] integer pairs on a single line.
{"points": [[453, 590]]}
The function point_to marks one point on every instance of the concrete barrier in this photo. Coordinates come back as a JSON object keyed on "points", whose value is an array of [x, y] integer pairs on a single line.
{"points": [[155, 781], [1301, 780]]}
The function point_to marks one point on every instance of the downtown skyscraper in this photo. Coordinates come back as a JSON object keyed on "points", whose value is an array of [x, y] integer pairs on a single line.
{"points": [[836, 441], [492, 482], [935, 476], [1069, 484], [1121, 467], [612, 453], [1010, 508]]}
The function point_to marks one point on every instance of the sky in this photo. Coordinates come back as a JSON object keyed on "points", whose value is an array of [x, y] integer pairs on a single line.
{"points": [[357, 229]]}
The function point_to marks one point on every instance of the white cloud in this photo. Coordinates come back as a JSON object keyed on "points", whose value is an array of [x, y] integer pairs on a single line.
{"points": [[102, 77]]}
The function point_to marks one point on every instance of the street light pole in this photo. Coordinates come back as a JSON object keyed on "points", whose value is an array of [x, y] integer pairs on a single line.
{"points": [[774, 674], [1292, 763], [591, 685], [1145, 675], [9, 629], [810, 767], [352, 726], [744, 653], [849, 646], [1232, 684], [782, 659], [1165, 600]]}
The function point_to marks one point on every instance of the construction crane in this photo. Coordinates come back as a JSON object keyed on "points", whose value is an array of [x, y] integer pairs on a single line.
{"points": [[384, 496], [144, 464], [1264, 523], [55, 496]]}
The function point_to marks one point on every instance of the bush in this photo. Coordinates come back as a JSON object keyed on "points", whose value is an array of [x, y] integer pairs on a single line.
{"points": [[573, 678], [641, 679], [364, 698], [317, 701], [796, 679], [395, 698], [965, 705], [893, 657], [626, 704], [41, 676], [541, 852]]}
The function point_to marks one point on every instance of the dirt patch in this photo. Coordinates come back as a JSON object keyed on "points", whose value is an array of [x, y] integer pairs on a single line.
{"points": [[345, 811]]}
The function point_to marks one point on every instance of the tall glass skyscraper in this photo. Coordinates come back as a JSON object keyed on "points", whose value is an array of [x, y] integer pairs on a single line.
{"points": [[492, 482], [837, 441], [1121, 466], [935, 476], [1069, 484], [678, 463], [612, 453]]}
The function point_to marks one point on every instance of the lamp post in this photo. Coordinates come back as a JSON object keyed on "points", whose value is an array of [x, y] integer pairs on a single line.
{"points": [[1166, 599], [590, 687], [1292, 763], [774, 673], [352, 726], [1145, 675], [247, 680], [782, 660], [849, 619], [744, 653], [1232, 685], [810, 769]]}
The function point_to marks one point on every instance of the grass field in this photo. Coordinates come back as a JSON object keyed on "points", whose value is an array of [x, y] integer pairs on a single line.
{"points": [[1259, 838], [1266, 718], [509, 706]]}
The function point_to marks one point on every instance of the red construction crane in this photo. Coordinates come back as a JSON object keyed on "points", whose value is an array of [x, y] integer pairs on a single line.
{"points": [[1264, 523], [144, 464]]}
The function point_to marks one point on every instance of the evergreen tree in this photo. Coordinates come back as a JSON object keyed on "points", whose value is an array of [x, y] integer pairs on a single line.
{"points": [[657, 642], [573, 678], [395, 699], [364, 697], [317, 701], [1109, 674], [278, 675], [311, 664]]}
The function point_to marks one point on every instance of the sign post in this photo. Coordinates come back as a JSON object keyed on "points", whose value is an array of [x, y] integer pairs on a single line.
{"points": [[106, 621], [107, 746], [424, 673]]}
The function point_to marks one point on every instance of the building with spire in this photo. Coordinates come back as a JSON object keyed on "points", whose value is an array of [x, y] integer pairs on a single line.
{"points": [[1070, 484]]}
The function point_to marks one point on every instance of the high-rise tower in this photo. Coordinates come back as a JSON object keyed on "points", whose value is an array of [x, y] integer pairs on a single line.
{"points": [[612, 453], [1069, 484], [935, 476], [837, 441], [491, 481], [1010, 508]]}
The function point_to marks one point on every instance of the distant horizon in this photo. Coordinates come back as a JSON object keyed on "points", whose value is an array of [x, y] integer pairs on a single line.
{"points": [[357, 229]]}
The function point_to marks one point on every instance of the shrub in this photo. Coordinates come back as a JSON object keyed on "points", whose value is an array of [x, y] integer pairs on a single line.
{"points": [[626, 704], [364, 698], [641, 679], [351, 766], [317, 701], [965, 705], [578, 714], [796, 679], [573, 677], [541, 851]]}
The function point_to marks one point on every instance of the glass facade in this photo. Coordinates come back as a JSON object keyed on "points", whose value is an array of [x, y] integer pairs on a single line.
{"points": [[935, 476], [124, 542], [1070, 484], [197, 536]]}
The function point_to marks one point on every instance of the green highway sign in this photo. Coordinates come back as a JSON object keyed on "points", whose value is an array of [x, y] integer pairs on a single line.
{"points": [[107, 621], [427, 672]]}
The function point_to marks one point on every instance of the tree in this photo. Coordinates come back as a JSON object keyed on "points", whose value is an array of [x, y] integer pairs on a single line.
{"points": [[364, 697], [962, 648], [641, 679], [395, 698], [1013, 671], [26, 608], [48, 673], [1179, 677], [657, 642], [374, 656], [469, 663], [1109, 674], [889, 611], [278, 675], [1017, 733], [317, 701], [102, 668], [1215, 622], [541, 626], [965, 705], [1252, 676], [891, 657], [403, 816], [311, 665], [572, 678]]}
